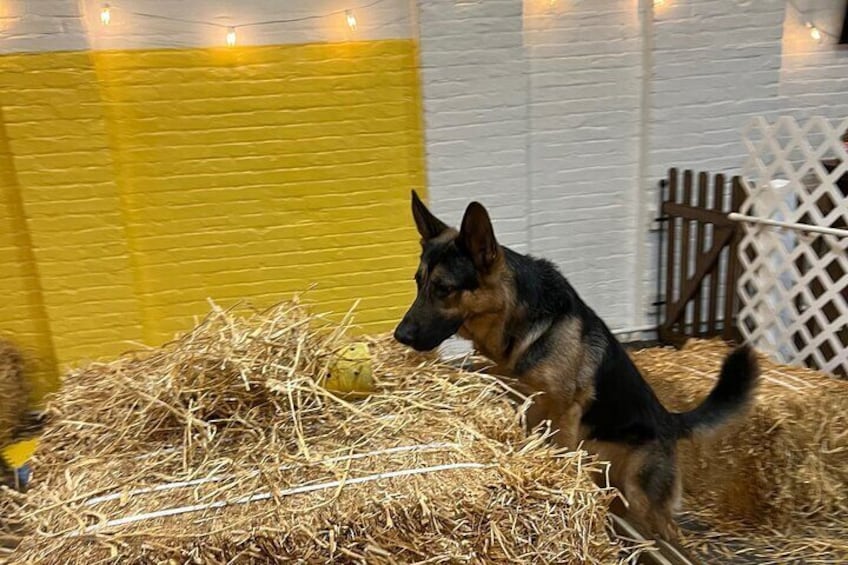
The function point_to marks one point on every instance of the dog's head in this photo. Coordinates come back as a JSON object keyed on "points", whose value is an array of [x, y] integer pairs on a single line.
{"points": [[458, 276]]}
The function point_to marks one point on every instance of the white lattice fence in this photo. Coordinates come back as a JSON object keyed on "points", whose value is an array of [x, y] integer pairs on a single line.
{"points": [[794, 282]]}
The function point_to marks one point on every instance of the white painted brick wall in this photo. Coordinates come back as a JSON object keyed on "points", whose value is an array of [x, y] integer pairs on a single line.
{"points": [[716, 65], [584, 61], [474, 79]]}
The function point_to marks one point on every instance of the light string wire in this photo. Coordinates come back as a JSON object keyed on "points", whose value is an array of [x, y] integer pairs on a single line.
{"points": [[816, 32], [106, 18], [249, 24]]}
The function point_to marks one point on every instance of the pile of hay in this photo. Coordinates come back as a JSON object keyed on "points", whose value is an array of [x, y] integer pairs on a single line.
{"points": [[14, 393], [223, 447], [781, 468]]}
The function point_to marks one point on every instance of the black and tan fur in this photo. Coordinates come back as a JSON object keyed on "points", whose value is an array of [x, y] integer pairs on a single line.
{"points": [[521, 313]]}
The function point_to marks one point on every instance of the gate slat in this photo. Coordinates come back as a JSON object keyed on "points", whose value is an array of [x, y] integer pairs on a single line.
{"points": [[698, 244], [685, 244], [671, 196]]}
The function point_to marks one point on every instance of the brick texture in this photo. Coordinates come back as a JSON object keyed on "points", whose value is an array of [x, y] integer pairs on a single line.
{"points": [[24, 317], [74, 25], [149, 181], [534, 111], [475, 110], [716, 66], [261, 171], [584, 63]]}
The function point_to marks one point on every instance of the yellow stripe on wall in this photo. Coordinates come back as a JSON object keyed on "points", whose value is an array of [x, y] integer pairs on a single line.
{"points": [[151, 180]]}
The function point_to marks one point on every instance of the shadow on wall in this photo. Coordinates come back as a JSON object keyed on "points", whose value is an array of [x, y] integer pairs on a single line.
{"points": [[24, 316]]}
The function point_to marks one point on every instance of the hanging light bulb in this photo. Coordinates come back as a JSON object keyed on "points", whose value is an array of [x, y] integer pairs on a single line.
{"points": [[351, 19], [231, 37], [105, 14], [815, 32], [659, 3]]}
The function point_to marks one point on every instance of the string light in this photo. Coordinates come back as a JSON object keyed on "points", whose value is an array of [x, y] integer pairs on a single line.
{"points": [[231, 37], [105, 15], [351, 19], [815, 32]]}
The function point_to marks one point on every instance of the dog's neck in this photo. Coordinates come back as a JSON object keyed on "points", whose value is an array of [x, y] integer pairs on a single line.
{"points": [[534, 294], [486, 333], [503, 335], [492, 339]]}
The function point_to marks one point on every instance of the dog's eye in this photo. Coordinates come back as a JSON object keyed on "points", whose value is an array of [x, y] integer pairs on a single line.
{"points": [[443, 289]]}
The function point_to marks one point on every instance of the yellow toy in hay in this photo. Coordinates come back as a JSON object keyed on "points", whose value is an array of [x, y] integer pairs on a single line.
{"points": [[17, 454], [350, 373], [15, 464]]}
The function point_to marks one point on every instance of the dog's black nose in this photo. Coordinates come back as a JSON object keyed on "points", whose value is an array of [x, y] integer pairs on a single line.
{"points": [[404, 333]]}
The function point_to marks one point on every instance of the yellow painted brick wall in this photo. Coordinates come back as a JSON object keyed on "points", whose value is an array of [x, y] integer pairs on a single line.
{"points": [[151, 180]]}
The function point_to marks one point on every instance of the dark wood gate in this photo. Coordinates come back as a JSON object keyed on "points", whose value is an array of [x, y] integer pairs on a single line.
{"points": [[699, 255]]}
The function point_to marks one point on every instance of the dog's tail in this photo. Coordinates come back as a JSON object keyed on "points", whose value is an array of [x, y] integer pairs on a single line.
{"points": [[731, 394]]}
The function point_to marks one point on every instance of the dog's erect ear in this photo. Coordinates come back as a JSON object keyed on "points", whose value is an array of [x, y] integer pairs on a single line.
{"points": [[477, 237], [429, 226]]}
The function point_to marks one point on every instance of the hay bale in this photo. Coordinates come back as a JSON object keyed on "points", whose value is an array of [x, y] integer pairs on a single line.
{"points": [[12, 524], [14, 393], [709, 535], [785, 461], [223, 446]]}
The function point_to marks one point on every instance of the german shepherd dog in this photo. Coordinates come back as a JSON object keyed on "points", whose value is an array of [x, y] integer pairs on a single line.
{"points": [[524, 316]]}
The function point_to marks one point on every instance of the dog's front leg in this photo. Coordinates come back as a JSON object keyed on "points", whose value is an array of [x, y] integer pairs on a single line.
{"points": [[515, 389], [564, 419], [567, 424]]}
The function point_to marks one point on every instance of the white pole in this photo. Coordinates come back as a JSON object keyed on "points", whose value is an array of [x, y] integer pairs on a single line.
{"points": [[736, 217], [644, 179], [636, 330]]}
